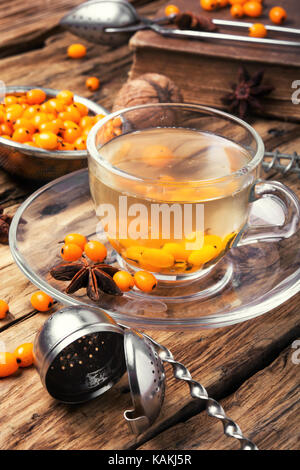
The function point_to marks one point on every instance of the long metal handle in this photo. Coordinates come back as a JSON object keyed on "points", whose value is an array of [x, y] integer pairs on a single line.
{"points": [[213, 408], [227, 37], [241, 24], [182, 33]]}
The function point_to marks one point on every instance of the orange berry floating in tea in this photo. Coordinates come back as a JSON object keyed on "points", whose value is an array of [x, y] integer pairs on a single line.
{"points": [[176, 208], [59, 123]]}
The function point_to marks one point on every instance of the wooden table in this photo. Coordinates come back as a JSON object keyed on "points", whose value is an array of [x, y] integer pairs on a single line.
{"points": [[248, 367]]}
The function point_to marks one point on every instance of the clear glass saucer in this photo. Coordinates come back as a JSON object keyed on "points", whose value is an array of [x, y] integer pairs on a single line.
{"points": [[249, 281]]}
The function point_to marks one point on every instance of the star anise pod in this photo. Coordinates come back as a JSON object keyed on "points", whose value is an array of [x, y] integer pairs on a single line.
{"points": [[190, 20], [247, 93], [96, 278], [5, 221]]}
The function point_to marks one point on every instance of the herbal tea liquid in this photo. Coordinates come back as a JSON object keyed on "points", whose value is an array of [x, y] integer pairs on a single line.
{"points": [[168, 217]]}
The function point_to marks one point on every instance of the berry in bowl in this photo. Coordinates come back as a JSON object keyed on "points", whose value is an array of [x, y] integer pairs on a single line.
{"points": [[43, 132]]}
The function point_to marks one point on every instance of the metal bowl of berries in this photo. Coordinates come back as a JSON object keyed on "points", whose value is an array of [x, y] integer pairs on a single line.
{"points": [[37, 163]]}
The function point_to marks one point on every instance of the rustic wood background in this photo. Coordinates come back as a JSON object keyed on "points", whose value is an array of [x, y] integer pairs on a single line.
{"points": [[248, 367]]}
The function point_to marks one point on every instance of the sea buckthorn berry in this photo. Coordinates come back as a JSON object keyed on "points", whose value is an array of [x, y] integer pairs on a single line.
{"points": [[45, 107], [70, 125], [30, 143], [39, 118], [76, 239], [278, 15], [86, 132], [35, 96], [66, 96], [237, 11], [157, 258], [8, 364], [71, 134], [134, 253], [253, 9], [80, 143], [14, 112], [4, 309], [6, 137], [84, 110], [55, 105], [30, 112], [156, 155], [24, 354], [202, 256], [21, 135], [176, 250], [222, 3], [87, 121], [208, 5], [10, 99], [34, 137], [98, 117], [92, 83], [51, 126], [76, 51], [51, 116], [215, 241], [257, 30], [74, 112], [124, 280], [237, 2], [47, 141], [145, 281], [41, 301], [68, 116], [71, 252], [95, 250], [25, 123], [65, 146], [6, 129], [171, 10], [117, 122], [117, 131], [228, 240]]}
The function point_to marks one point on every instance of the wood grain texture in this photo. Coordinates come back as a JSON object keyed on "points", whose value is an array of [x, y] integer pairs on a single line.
{"points": [[265, 407], [221, 359], [231, 362]]}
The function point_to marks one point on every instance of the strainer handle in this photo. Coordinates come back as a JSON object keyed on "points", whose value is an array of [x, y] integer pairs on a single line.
{"points": [[213, 408]]}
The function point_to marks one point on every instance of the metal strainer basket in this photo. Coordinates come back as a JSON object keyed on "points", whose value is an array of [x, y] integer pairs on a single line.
{"points": [[81, 352]]}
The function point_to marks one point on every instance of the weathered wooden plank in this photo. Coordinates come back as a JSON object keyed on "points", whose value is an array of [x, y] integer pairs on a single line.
{"points": [[27, 24], [221, 359], [265, 407]]}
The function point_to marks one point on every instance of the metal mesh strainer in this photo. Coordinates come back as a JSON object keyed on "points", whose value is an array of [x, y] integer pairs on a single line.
{"points": [[81, 352]]}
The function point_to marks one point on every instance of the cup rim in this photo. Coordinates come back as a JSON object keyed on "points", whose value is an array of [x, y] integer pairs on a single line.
{"points": [[251, 165]]}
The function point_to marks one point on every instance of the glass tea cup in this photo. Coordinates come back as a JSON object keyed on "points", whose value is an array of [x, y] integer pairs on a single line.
{"points": [[173, 184]]}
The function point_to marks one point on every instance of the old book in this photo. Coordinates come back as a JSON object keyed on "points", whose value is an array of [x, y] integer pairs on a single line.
{"points": [[206, 69]]}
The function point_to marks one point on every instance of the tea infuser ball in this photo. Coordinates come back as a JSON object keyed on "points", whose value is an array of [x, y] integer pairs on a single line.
{"points": [[79, 354]]}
